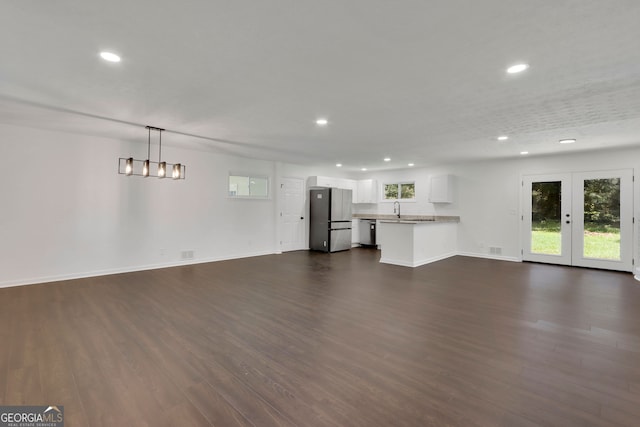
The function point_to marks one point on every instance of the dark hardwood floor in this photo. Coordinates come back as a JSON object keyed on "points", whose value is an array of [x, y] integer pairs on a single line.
{"points": [[312, 339]]}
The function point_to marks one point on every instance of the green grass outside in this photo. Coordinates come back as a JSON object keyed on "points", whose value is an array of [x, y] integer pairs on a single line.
{"points": [[600, 241]]}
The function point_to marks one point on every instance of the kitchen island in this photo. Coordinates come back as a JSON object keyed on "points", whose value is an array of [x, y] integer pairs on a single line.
{"points": [[412, 242]]}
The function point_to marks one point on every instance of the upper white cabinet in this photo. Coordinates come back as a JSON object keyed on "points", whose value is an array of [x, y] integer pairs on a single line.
{"points": [[326, 181], [367, 191], [353, 186], [323, 181], [441, 189], [362, 191]]}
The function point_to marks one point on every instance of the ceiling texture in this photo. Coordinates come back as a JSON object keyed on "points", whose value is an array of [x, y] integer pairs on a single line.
{"points": [[418, 81]]}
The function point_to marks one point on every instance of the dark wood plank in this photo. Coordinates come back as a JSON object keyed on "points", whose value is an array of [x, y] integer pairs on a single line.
{"points": [[316, 339], [214, 407], [23, 386], [58, 384]]}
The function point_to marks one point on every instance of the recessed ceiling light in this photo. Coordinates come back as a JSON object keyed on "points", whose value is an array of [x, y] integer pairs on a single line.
{"points": [[517, 68], [410, 164], [567, 141], [338, 165], [524, 153], [387, 159], [109, 56], [503, 138], [322, 122], [363, 169]]}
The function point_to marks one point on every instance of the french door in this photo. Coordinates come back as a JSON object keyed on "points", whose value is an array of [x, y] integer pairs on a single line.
{"points": [[583, 219]]}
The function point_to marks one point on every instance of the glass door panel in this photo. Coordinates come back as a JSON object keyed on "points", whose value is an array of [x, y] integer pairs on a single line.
{"points": [[546, 200], [601, 218]]}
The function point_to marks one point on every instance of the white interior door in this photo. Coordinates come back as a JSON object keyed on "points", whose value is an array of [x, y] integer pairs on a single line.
{"points": [[583, 219], [292, 214]]}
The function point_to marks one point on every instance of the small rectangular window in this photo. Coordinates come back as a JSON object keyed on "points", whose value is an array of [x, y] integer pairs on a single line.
{"points": [[400, 191], [248, 186]]}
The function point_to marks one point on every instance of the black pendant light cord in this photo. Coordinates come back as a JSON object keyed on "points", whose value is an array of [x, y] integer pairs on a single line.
{"points": [[160, 148], [149, 144]]}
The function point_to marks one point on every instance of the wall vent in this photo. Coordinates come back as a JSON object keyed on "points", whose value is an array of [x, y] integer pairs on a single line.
{"points": [[494, 250]]}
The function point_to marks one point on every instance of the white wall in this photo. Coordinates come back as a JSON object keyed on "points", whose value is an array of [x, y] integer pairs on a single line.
{"points": [[487, 195], [65, 212]]}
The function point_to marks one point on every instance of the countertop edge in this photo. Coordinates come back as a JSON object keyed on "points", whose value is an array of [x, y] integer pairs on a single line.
{"points": [[409, 219]]}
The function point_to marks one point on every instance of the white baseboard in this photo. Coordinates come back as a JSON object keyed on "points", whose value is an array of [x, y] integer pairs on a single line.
{"points": [[95, 273], [83, 275], [441, 257], [395, 262], [487, 256], [417, 263]]}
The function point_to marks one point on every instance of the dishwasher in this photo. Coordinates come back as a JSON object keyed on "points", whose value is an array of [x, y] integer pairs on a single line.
{"points": [[367, 232]]}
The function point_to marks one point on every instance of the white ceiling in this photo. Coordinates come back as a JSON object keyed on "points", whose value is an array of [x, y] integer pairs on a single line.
{"points": [[419, 81]]}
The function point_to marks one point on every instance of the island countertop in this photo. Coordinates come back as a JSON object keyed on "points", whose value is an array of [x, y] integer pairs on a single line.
{"points": [[408, 219]]}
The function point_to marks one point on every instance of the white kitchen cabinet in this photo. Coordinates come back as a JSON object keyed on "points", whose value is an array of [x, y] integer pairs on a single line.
{"points": [[344, 183], [367, 191], [441, 189], [418, 243], [322, 181], [353, 186], [355, 231]]}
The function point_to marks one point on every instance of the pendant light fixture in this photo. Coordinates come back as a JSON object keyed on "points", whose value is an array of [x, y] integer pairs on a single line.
{"points": [[130, 166]]}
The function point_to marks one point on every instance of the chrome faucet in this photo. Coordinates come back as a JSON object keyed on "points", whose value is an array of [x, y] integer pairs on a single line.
{"points": [[394, 208]]}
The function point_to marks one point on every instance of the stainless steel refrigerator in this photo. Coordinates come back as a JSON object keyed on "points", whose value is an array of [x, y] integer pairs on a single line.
{"points": [[330, 219]]}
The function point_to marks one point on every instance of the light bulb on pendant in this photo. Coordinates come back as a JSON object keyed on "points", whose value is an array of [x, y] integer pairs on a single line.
{"points": [[176, 171], [129, 167], [162, 169], [145, 168]]}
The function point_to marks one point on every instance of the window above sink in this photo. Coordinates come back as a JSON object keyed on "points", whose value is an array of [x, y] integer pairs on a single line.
{"points": [[399, 191]]}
